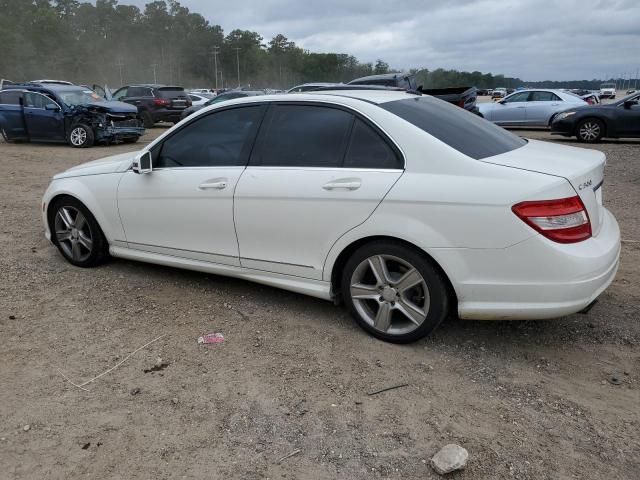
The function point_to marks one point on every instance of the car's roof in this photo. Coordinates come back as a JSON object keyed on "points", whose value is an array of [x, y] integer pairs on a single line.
{"points": [[382, 76], [369, 96], [54, 87]]}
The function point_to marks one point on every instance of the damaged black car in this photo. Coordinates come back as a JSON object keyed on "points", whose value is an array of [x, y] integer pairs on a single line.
{"points": [[71, 114]]}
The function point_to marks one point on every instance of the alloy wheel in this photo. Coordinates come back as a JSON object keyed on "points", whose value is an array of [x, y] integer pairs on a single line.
{"points": [[78, 136], [390, 294], [73, 233], [589, 131]]}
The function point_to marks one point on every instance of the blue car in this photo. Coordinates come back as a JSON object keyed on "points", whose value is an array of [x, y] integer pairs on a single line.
{"points": [[72, 114]]}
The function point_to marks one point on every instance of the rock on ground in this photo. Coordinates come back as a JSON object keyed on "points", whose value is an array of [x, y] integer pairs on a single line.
{"points": [[451, 457]]}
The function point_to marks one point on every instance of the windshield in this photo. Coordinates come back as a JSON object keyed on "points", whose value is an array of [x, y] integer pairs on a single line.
{"points": [[608, 85], [464, 131], [73, 98]]}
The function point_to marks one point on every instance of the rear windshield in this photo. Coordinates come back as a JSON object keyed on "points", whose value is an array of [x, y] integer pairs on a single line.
{"points": [[171, 92], [462, 130]]}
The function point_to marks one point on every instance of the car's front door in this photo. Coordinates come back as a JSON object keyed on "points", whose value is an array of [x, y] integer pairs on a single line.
{"points": [[512, 110], [43, 117], [628, 121], [316, 172], [541, 106], [184, 207]]}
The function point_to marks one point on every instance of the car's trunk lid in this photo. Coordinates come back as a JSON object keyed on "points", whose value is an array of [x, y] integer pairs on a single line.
{"points": [[583, 168], [176, 95]]}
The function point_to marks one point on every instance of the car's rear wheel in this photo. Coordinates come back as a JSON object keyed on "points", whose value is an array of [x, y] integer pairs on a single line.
{"points": [[394, 292], [590, 130], [80, 136], [76, 233], [147, 119]]}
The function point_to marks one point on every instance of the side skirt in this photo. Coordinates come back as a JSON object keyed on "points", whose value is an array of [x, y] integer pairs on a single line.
{"points": [[305, 286]]}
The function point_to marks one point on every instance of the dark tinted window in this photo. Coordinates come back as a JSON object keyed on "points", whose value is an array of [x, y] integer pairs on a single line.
{"points": [[140, 92], [462, 130], [543, 97], [10, 98], [36, 100], [304, 136], [368, 150], [171, 92], [517, 97], [218, 139], [120, 93]]}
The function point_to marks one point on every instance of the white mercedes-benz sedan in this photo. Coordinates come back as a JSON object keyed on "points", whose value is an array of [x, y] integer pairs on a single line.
{"points": [[404, 207]]}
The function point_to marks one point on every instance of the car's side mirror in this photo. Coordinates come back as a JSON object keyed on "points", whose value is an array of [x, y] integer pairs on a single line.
{"points": [[142, 162], [630, 103], [52, 107]]}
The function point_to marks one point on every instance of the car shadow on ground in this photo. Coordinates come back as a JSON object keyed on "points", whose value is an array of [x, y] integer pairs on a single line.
{"points": [[498, 335]]}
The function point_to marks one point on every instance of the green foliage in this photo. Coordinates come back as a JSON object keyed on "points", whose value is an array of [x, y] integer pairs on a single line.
{"points": [[116, 44]]}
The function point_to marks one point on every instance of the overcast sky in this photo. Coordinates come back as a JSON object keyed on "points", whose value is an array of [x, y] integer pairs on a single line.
{"points": [[530, 39]]}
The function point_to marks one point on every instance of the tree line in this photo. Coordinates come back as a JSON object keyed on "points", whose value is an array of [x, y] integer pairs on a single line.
{"points": [[116, 44]]}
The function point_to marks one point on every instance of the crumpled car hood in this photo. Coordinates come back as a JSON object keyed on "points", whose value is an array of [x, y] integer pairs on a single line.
{"points": [[115, 163], [112, 106]]}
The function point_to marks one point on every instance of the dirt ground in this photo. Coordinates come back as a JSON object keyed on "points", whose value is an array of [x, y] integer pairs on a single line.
{"points": [[529, 400]]}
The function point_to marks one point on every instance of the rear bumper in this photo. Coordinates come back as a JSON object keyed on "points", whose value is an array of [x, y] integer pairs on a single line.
{"points": [[535, 279], [166, 115]]}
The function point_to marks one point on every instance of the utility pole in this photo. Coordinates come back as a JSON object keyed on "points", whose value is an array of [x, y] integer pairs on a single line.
{"points": [[635, 83], [237, 49], [215, 52], [154, 65], [120, 64]]}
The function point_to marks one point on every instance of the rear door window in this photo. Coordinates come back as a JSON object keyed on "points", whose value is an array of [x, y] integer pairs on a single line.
{"points": [[543, 97], [461, 130], [303, 136], [367, 149], [10, 98]]}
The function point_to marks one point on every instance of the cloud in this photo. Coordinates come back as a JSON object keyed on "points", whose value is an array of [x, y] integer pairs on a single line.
{"points": [[530, 39]]}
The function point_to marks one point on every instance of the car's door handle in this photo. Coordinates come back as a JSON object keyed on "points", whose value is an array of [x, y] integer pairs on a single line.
{"points": [[216, 184], [555, 104], [521, 106], [347, 183]]}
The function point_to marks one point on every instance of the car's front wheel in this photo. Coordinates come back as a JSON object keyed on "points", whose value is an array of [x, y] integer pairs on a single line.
{"points": [[590, 130], [76, 233], [80, 136], [394, 292]]}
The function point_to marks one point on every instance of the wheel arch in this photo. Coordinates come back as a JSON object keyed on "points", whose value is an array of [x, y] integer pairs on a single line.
{"points": [[346, 252], [79, 192]]}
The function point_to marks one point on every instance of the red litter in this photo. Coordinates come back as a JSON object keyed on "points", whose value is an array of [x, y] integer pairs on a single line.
{"points": [[211, 338]]}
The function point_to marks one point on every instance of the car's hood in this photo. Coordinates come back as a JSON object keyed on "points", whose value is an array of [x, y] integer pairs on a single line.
{"points": [[112, 164], [111, 106]]}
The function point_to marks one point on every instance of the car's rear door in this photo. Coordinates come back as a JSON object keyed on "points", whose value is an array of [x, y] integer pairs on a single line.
{"points": [[184, 207], [541, 106], [316, 172], [512, 110], [11, 116], [41, 123]]}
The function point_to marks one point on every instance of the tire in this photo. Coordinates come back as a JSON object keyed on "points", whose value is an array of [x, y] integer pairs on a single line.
{"points": [[76, 233], [80, 136], [590, 130], [130, 140], [147, 119], [385, 309]]}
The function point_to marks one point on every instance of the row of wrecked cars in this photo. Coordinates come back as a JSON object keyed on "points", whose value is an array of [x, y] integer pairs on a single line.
{"points": [[61, 112]]}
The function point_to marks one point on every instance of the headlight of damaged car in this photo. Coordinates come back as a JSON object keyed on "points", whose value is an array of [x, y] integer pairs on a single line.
{"points": [[563, 115]]}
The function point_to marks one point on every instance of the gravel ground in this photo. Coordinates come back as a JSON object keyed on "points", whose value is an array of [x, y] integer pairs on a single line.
{"points": [[529, 400]]}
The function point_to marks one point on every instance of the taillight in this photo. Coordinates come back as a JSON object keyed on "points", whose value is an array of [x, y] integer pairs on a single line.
{"points": [[161, 101], [564, 220], [461, 103]]}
